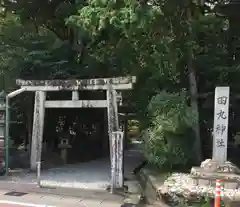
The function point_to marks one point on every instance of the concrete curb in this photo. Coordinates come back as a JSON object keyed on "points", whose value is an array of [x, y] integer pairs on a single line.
{"points": [[149, 189], [70, 185], [33, 188], [133, 197]]}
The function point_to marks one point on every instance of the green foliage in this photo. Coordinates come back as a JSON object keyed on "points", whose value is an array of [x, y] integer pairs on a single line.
{"points": [[149, 39], [201, 202], [133, 123], [155, 41], [30, 54], [170, 134], [11, 51]]}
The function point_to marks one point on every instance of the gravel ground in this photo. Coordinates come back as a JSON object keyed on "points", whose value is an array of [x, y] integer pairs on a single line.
{"points": [[94, 175]]}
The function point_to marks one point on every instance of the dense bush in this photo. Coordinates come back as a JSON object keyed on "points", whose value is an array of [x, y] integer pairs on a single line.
{"points": [[170, 135]]}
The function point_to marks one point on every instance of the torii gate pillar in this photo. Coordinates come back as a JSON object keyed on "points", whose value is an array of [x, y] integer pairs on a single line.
{"points": [[38, 126]]}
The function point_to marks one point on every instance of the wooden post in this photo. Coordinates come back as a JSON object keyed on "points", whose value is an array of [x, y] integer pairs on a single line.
{"points": [[113, 126], [112, 110], [75, 95], [125, 130], [115, 111], [64, 155], [117, 164], [38, 125], [113, 147]]}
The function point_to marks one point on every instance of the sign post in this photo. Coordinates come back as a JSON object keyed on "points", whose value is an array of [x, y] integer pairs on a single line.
{"points": [[117, 161], [220, 128]]}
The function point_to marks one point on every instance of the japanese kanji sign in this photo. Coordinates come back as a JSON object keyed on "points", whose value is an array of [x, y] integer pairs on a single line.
{"points": [[220, 128]]}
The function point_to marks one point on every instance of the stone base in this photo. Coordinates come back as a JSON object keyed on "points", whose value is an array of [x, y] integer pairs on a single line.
{"points": [[210, 165], [200, 183], [124, 189], [210, 171], [202, 178]]}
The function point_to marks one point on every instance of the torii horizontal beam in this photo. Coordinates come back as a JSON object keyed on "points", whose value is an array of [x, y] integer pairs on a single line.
{"points": [[76, 104], [119, 83], [77, 88]]}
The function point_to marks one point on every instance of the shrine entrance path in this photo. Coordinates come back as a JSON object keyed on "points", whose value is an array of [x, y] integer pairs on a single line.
{"points": [[93, 175]]}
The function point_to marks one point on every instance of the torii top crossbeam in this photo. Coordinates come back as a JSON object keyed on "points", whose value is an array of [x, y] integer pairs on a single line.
{"points": [[118, 83]]}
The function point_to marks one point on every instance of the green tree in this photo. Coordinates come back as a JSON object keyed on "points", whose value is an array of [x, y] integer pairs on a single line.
{"points": [[169, 45], [162, 42]]}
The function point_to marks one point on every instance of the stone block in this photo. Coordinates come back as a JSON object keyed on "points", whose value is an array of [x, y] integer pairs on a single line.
{"points": [[232, 204], [188, 180], [195, 181], [205, 182], [149, 190], [230, 185], [200, 173], [212, 183], [210, 165]]}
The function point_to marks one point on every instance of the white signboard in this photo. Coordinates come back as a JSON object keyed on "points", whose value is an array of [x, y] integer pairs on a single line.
{"points": [[220, 128]]}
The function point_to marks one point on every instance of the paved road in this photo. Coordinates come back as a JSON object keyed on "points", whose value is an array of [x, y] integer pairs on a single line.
{"points": [[6, 203], [51, 200]]}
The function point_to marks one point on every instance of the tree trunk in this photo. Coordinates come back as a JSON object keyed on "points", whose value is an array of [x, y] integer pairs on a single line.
{"points": [[193, 91], [194, 105]]}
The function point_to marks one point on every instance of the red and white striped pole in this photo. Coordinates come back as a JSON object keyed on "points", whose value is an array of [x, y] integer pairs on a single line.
{"points": [[218, 193]]}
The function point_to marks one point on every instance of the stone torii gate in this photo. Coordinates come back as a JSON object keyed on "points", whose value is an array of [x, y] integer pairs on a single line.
{"points": [[110, 85]]}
